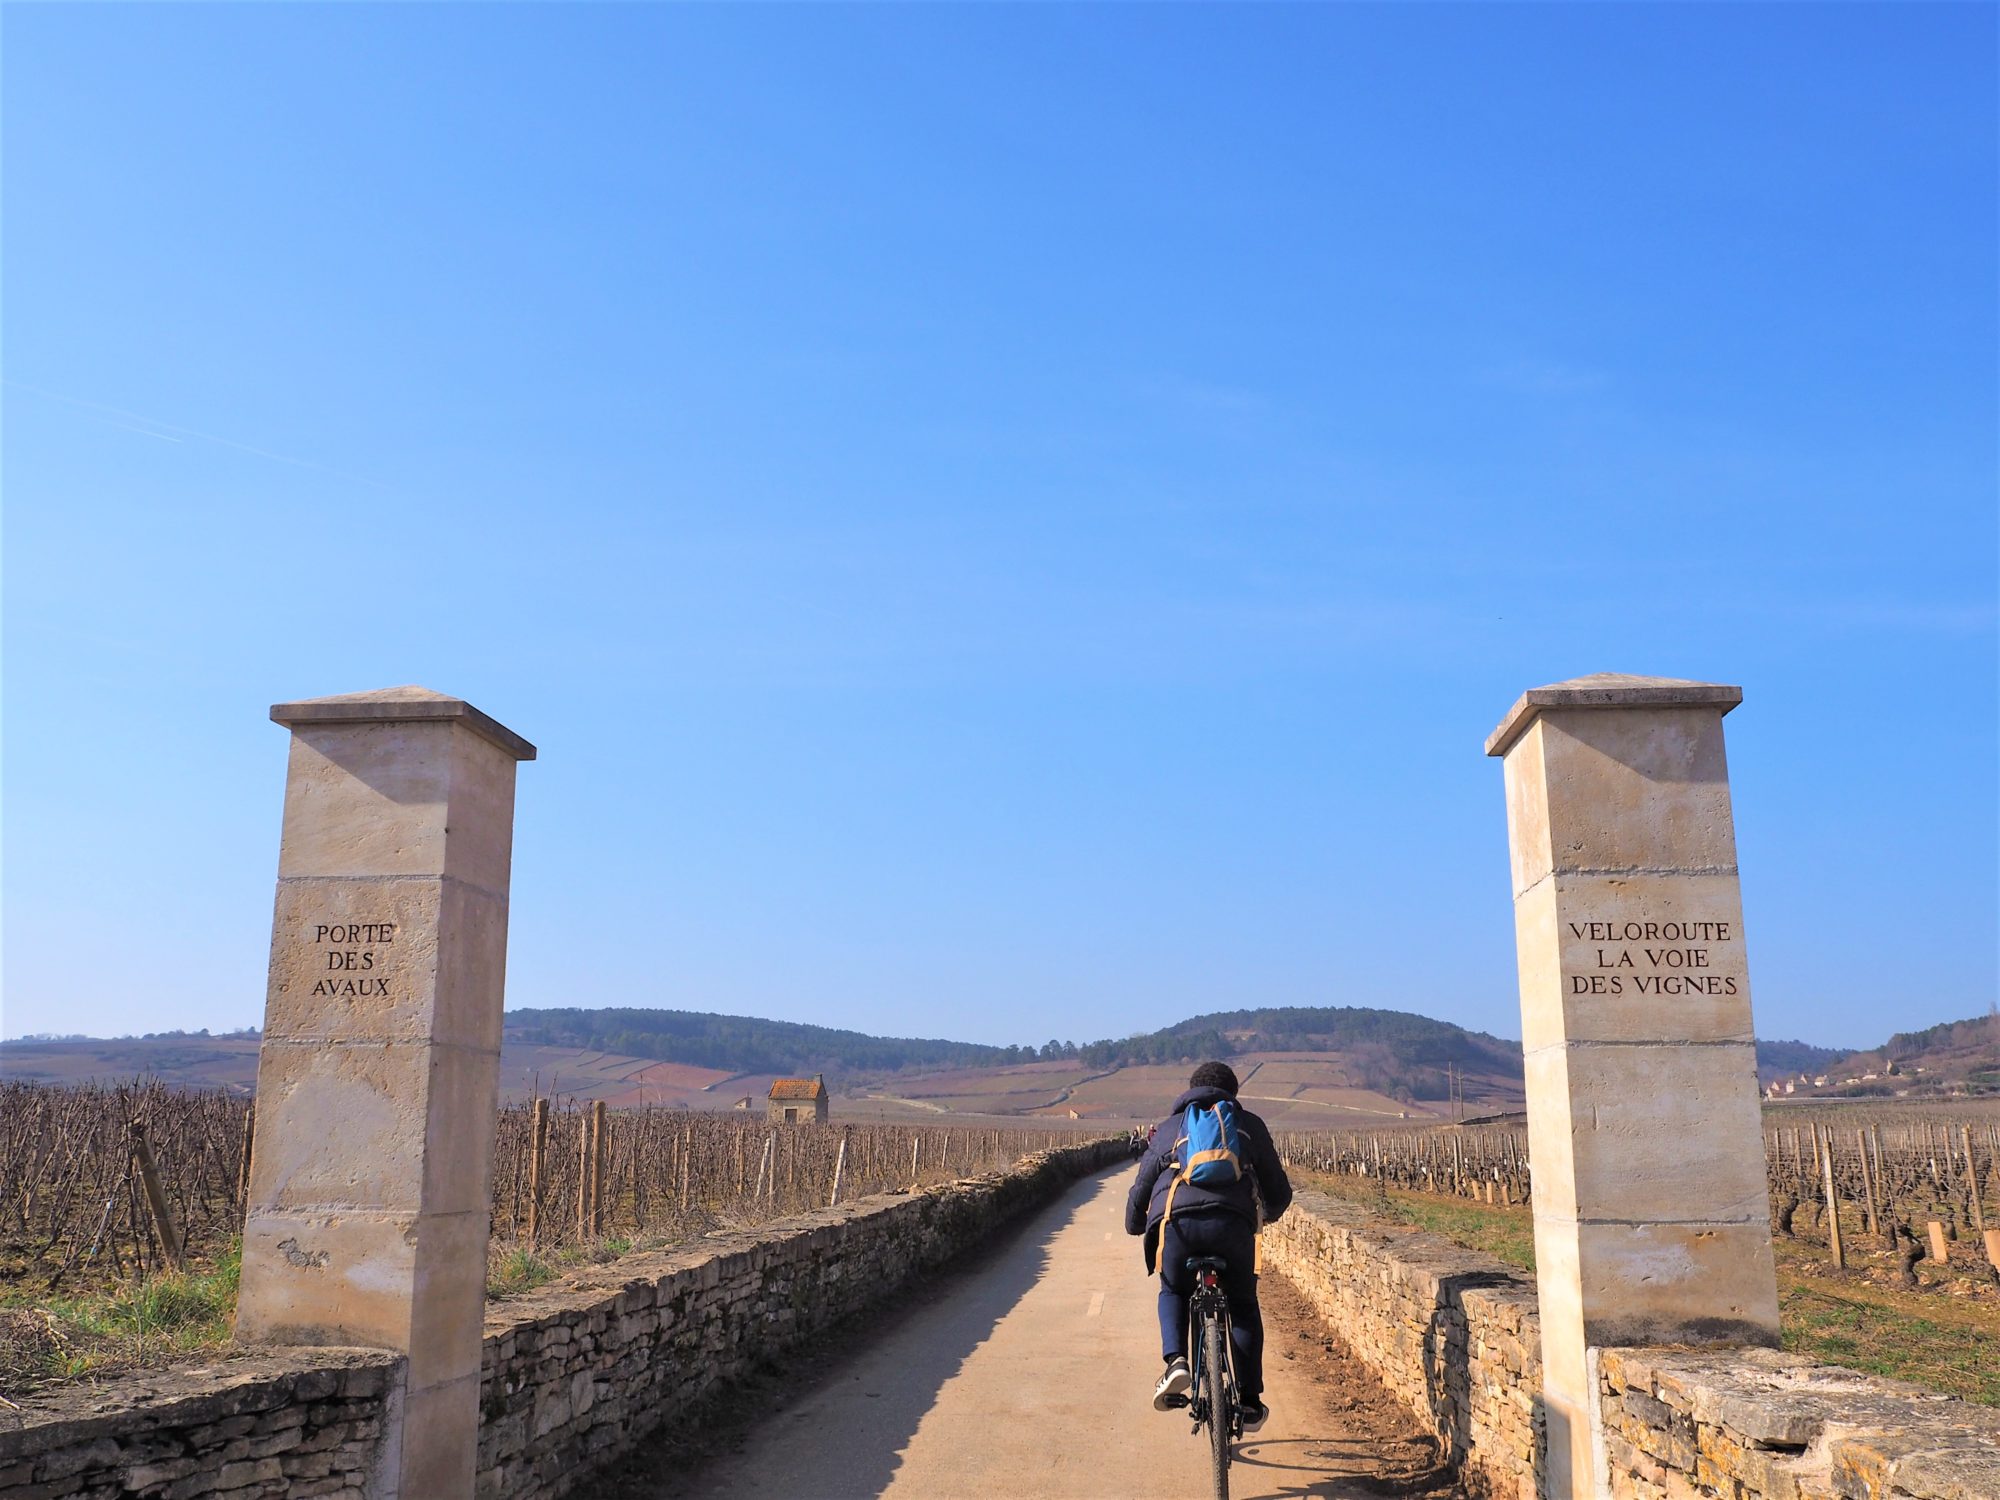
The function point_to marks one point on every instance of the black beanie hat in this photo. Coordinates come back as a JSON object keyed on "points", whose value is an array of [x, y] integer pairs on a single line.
{"points": [[1214, 1075]]}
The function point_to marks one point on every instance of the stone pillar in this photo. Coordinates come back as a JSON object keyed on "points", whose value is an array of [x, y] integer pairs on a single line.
{"points": [[1652, 1224], [378, 1080]]}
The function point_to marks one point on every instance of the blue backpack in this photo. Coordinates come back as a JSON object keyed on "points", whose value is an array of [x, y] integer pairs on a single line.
{"points": [[1208, 1153], [1211, 1155]]}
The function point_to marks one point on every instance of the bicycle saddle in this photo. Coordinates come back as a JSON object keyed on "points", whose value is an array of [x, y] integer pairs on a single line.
{"points": [[1207, 1263]]}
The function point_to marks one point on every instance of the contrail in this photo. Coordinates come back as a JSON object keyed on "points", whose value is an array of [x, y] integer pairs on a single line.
{"points": [[165, 428]]}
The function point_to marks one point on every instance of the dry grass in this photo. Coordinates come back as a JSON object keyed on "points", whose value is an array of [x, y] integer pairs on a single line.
{"points": [[132, 1324]]}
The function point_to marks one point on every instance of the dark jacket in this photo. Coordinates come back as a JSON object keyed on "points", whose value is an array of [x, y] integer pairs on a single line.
{"points": [[1146, 1204]]}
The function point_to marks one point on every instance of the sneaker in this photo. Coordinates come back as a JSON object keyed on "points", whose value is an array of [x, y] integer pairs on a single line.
{"points": [[1253, 1413], [1173, 1383]]}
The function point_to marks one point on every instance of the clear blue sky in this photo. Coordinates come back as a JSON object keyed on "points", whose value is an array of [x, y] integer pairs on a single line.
{"points": [[1004, 523]]}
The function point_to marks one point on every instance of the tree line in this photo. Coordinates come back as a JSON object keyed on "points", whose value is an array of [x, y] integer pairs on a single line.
{"points": [[1393, 1046]]}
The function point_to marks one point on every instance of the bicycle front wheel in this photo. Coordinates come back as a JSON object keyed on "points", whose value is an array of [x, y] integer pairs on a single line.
{"points": [[1215, 1376]]}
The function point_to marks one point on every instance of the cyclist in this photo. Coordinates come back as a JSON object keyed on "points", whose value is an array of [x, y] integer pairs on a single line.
{"points": [[1181, 1218]]}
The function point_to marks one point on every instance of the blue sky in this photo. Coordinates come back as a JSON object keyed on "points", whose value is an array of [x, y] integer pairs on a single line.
{"points": [[1004, 522]]}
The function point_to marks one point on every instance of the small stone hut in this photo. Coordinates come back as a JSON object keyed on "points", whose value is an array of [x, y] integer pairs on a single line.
{"points": [[798, 1101]]}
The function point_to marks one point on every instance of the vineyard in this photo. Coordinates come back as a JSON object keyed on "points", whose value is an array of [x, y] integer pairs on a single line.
{"points": [[1908, 1185], [74, 1200], [99, 1185], [573, 1175]]}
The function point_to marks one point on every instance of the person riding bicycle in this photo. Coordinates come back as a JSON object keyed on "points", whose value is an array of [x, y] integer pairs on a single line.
{"points": [[1182, 1218]]}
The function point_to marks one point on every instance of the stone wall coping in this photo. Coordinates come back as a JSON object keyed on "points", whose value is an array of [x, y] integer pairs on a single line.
{"points": [[1609, 690], [654, 1274], [1481, 1277], [190, 1395], [1927, 1444], [400, 705]]}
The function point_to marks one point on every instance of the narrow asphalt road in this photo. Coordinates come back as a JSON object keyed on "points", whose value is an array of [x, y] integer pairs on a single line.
{"points": [[1031, 1376]]}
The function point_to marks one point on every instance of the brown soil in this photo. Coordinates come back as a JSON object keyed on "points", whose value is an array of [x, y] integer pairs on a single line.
{"points": [[1375, 1445]]}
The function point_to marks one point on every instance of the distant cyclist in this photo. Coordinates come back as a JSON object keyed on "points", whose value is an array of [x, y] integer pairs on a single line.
{"points": [[1187, 1207]]}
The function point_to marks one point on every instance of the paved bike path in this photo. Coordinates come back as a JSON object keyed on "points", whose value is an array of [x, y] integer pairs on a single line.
{"points": [[1031, 1375]]}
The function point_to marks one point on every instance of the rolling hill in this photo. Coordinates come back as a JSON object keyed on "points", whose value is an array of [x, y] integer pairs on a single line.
{"points": [[1953, 1057], [1303, 1066]]}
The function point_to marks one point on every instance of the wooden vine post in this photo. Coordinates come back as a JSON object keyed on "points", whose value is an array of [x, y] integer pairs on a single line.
{"points": [[1972, 1179], [600, 1145], [1867, 1180], [839, 1171], [1832, 1206], [538, 1149], [156, 1199], [583, 1156], [243, 1162]]}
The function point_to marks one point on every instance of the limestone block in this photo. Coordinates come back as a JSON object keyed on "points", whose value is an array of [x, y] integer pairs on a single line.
{"points": [[443, 1425], [1640, 1283], [481, 851], [366, 799], [1560, 1301], [1637, 789], [1529, 848], [340, 1125], [376, 780], [339, 1277], [355, 960], [462, 1084], [1637, 1115], [1551, 1141], [1605, 957], [447, 1306], [472, 974]]}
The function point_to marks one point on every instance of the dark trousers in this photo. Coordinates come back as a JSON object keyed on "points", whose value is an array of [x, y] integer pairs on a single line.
{"points": [[1235, 1241]]}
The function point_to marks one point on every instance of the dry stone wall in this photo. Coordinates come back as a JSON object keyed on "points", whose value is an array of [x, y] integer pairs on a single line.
{"points": [[1745, 1424], [573, 1377], [306, 1423], [1451, 1331], [1456, 1334]]}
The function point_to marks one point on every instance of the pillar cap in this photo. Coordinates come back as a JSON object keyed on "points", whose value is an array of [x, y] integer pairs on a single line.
{"points": [[400, 705], [1609, 690]]}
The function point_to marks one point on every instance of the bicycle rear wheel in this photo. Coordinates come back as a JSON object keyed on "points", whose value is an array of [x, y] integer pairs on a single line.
{"points": [[1215, 1376]]}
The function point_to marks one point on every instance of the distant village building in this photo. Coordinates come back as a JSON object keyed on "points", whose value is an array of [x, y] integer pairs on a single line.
{"points": [[798, 1101], [743, 1103]]}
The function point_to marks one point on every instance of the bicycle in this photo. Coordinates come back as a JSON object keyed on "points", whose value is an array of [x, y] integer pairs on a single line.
{"points": [[1211, 1396]]}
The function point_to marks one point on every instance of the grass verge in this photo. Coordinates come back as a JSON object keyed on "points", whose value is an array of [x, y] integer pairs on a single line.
{"points": [[132, 1324], [515, 1269], [1505, 1233]]}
